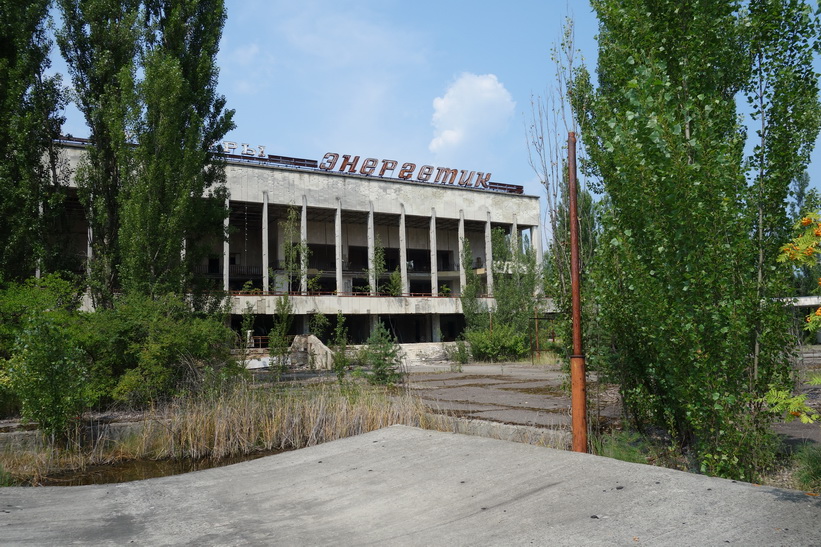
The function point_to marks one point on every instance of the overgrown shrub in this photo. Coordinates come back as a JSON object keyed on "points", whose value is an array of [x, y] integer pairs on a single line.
{"points": [[501, 343], [381, 356], [18, 301], [458, 353], [341, 362], [49, 375], [143, 348]]}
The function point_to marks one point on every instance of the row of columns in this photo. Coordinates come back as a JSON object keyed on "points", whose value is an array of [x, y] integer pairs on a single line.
{"points": [[403, 251]]}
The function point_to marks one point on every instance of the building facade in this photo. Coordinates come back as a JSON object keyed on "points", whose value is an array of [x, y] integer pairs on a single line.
{"points": [[345, 208]]}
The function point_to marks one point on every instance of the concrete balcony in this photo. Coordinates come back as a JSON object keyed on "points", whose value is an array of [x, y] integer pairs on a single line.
{"points": [[349, 304]]}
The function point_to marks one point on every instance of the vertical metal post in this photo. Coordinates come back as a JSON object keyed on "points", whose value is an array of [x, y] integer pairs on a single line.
{"points": [[578, 401]]}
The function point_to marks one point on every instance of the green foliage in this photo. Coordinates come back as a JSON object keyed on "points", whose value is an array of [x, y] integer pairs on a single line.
{"points": [[143, 349], [498, 330], [377, 268], [340, 347], [394, 285], [19, 301], [515, 279], [474, 310], [100, 41], [5, 478], [279, 341], [459, 353], [31, 174], [296, 252], [49, 375], [318, 325], [809, 467], [145, 78], [381, 355], [784, 404], [626, 446], [685, 295], [501, 343]]}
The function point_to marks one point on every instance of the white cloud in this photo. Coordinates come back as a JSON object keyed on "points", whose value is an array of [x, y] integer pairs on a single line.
{"points": [[247, 54], [474, 109]]}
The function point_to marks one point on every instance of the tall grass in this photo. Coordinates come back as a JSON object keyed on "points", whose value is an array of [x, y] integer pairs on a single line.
{"points": [[245, 420], [230, 422]]}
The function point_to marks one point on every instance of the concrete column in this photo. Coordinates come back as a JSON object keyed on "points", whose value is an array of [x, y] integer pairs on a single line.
{"points": [[226, 249], [434, 263], [371, 248], [536, 241], [403, 251], [266, 283], [435, 327], [303, 240], [462, 266], [340, 283], [514, 235], [37, 271], [489, 256]]}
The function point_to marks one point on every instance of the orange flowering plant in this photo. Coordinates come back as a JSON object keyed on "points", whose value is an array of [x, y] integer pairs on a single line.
{"points": [[801, 251]]}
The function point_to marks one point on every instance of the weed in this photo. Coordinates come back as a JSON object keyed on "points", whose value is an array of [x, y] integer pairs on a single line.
{"points": [[235, 421], [382, 356], [458, 354], [5, 478], [809, 467], [626, 446]]}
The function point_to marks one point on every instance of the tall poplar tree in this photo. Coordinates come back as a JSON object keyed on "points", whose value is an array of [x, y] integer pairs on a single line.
{"points": [[100, 40], [678, 280], [30, 102], [175, 204], [783, 95]]}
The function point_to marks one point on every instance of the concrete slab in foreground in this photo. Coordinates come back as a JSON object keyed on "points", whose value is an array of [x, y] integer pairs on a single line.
{"points": [[406, 486]]}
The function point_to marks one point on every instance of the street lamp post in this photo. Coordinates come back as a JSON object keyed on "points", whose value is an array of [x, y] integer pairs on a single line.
{"points": [[578, 402]]}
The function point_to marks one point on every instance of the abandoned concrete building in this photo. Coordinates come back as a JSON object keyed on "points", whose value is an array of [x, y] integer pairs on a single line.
{"points": [[346, 208]]}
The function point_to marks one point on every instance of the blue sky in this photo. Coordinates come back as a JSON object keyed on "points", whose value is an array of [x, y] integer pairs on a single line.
{"points": [[445, 83]]}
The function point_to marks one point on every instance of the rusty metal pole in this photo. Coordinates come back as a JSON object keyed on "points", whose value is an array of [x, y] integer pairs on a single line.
{"points": [[578, 401]]}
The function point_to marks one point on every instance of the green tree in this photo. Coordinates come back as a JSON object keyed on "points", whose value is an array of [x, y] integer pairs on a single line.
{"points": [[296, 252], [31, 174], [378, 268], [164, 232], [100, 40], [341, 362], [279, 341], [382, 356], [783, 94], [497, 329], [677, 277]]}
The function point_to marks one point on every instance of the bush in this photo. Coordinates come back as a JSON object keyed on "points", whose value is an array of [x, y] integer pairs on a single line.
{"points": [[144, 348], [499, 344], [340, 344], [458, 353], [34, 296], [48, 374], [381, 356]]}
